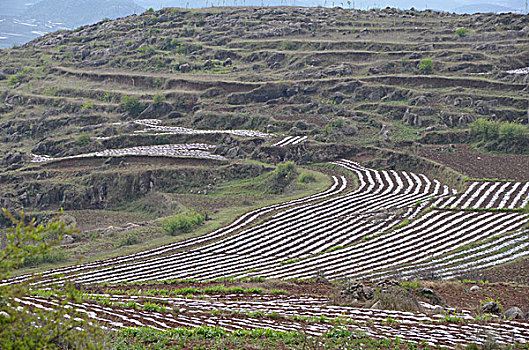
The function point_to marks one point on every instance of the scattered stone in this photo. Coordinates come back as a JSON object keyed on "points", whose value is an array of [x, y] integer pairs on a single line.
{"points": [[513, 313], [184, 68], [320, 278], [491, 307], [437, 310], [67, 239], [356, 291]]}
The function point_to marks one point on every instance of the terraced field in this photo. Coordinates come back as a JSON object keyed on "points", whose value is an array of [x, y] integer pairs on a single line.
{"points": [[385, 227], [386, 223]]}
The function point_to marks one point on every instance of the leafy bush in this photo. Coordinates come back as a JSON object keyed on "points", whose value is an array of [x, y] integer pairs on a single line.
{"points": [[282, 176], [146, 50], [51, 256], [13, 80], [306, 177], [129, 239], [426, 66], [512, 131], [182, 223], [131, 105], [461, 32], [485, 129], [500, 136]]}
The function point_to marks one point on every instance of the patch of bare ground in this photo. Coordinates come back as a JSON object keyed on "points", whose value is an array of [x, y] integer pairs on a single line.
{"points": [[475, 164], [458, 295], [294, 288], [513, 272]]}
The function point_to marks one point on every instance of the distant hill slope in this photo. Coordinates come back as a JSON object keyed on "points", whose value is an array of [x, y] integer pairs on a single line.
{"points": [[79, 12]]}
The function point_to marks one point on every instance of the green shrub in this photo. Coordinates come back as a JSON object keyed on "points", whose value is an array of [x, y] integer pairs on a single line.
{"points": [[281, 177], [485, 129], [426, 66], [306, 177], [83, 140], [500, 136], [511, 131], [146, 50], [131, 105], [129, 239], [182, 223], [461, 32], [13, 80], [53, 256]]}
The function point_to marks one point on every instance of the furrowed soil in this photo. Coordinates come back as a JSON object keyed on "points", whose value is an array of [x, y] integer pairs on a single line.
{"points": [[475, 164]]}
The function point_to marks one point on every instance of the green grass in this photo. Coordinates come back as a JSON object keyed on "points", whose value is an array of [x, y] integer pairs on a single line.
{"points": [[217, 338]]}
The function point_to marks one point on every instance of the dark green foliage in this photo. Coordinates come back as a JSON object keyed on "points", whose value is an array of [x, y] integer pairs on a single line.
{"points": [[500, 136], [131, 105], [182, 223], [426, 66], [128, 239], [54, 255]]}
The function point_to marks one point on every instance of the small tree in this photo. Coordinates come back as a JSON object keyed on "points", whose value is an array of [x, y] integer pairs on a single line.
{"points": [[426, 66], [131, 105], [21, 325]]}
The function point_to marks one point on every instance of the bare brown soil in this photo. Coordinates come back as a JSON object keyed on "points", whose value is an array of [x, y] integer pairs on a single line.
{"points": [[475, 164], [459, 296], [514, 272], [295, 288]]}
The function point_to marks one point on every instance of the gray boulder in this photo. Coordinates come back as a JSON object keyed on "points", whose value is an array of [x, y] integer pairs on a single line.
{"points": [[67, 239], [491, 307], [513, 313]]}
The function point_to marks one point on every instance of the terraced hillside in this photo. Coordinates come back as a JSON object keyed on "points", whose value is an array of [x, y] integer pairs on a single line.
{"points": [[302, 79], [306, 148]]}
